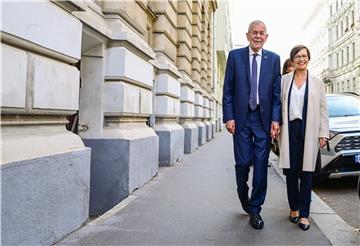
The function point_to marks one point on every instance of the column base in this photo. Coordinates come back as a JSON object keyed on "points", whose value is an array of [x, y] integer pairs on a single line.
{"points": [[191, 137], [121, 161], [171, 143], [209, 133], [213, 130], [202, 133], [44, 198]]}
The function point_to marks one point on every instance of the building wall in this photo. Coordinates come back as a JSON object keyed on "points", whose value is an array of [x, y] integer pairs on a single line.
{"points": [[316, 32], [344, 55], [135, 79], [222, 46], [341, 73], [45, 169]]}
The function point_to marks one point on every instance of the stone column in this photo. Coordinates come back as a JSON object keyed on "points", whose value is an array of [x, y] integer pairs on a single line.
{"points": [[207, 122], [199, 117], [196, 42], [187, 114], [45, 169], [221, 124], [209, 84], [167, 84], [117, 100], [197, 65], [204, 45], [212, 117], [184, 63]]}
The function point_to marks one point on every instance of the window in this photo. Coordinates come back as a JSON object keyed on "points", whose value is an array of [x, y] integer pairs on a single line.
{"points": [[330, 35], [337, 32], [337, 60], [337, 5], [347, 24], [347, 55], [352, 18], [331, 13], [343, 105], [343, 86], [348, 85], [342, 28], [342, 57], [353, 51], [354, 85]]}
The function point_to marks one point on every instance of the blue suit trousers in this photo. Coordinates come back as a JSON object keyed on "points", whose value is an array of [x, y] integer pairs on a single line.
{"points": [[251, 148]]}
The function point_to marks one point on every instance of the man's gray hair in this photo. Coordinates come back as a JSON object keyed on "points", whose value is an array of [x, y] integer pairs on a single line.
{"points": [[255, 22]]}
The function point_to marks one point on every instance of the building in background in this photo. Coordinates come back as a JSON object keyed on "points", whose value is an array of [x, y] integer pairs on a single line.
{"points": [[338, 64], [135, 80], [222, 46], [315, 28]]}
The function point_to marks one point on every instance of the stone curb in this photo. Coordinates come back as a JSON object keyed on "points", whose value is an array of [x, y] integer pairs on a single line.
{"points": [[329, 222]]}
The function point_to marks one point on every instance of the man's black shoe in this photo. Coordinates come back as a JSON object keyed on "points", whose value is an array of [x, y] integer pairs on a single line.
{"points": [[256, 221], [244, 204]]}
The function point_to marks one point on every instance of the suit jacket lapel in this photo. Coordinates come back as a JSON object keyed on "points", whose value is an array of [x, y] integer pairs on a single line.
{"points": [[264, 65], [305, 106], [289, 96], [246, 61]]}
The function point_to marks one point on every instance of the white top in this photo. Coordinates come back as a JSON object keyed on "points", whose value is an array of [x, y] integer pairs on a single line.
{"points": [[297, 101], [258, 60]]}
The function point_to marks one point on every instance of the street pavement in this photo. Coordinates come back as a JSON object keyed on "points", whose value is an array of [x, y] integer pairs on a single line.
{"points": [[195, 203]]}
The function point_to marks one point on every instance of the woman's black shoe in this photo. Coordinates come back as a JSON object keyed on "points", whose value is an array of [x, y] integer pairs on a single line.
{"points": [[293, 219], [304, 227]]}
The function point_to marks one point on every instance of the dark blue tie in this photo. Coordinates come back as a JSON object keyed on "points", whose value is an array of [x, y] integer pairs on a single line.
{"points": [[253, 91]]}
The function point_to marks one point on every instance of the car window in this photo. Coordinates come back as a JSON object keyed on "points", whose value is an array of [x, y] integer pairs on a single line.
{"points": [[340, 106]]}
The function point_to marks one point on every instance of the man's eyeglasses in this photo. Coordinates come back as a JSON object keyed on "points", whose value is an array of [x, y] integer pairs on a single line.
{"points": [[258, 33], [303, 57]]}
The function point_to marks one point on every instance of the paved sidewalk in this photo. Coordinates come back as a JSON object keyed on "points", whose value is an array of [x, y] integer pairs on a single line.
{"points": [[195, 203]]}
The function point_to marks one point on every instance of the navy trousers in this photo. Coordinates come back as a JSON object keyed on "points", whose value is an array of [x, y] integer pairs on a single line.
{"points": [[299, 196], [251, 147]]}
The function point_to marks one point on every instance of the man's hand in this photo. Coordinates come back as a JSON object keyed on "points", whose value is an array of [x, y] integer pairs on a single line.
{"points": [[322, 142], [230, 126], [275, 129]]}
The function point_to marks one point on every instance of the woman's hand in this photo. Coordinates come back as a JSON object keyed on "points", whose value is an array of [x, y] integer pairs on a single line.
{"points": [[322, 142]]}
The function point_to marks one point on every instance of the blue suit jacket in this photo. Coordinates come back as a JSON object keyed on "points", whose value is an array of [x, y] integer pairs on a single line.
{"points": [[237, 88]]}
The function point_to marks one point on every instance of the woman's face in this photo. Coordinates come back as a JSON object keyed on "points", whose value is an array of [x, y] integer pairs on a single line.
{"points": [[301, 60], [290, 67]]}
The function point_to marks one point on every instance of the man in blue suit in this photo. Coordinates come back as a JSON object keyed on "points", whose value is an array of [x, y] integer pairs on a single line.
{"points": [[252, 113]]}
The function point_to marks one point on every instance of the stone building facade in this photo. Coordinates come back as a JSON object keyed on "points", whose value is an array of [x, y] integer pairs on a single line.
{"points": [[135, 80], [336, 44], [222, 46], [316, 30]]}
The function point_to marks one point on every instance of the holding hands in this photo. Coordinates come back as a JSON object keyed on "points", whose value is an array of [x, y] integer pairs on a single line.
{"points": [[275, 129]]}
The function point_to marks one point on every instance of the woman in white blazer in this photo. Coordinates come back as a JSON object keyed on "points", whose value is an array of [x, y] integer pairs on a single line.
{"points": [[305, 128]]}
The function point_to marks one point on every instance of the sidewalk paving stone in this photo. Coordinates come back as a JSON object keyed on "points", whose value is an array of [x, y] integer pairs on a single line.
{"points": [[195, 203]]}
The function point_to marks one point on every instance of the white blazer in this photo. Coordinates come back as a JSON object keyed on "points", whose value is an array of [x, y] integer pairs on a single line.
{"points": [[317, 121]]}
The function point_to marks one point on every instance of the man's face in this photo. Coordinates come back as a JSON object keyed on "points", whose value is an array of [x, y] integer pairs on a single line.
{"points": [[257, 37]]}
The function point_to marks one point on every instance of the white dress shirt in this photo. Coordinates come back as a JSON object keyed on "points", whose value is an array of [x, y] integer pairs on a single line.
{"points": [[297, 101], [258, 60]]}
